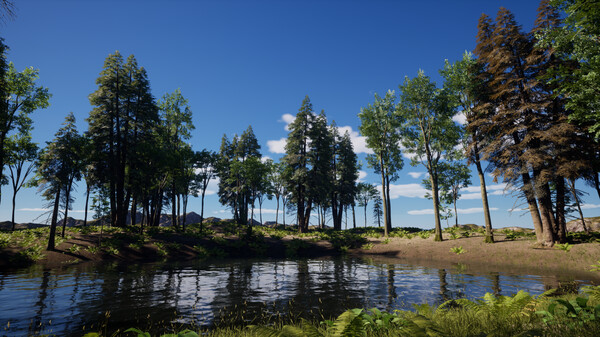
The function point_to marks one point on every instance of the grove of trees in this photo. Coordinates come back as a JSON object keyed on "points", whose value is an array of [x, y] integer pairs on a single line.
{"points": [[530, 101]]}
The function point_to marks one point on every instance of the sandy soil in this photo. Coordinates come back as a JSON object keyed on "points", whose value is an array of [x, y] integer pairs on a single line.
{"points": [[519, 256]]}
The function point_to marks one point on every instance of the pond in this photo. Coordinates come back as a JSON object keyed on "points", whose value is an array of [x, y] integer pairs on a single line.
{"points": [[66, 301]]}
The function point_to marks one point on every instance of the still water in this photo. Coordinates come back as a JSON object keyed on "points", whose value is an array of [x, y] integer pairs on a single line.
{"points": [[66, 301]]}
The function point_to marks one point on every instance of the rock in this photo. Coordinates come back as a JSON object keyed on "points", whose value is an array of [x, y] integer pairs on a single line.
{"points": [[593, 224]]}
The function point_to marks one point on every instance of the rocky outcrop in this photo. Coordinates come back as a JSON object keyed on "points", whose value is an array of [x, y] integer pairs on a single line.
{"points": [[593, 224]]}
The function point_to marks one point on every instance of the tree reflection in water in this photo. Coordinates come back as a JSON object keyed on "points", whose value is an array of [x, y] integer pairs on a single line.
{"points": [[230, 292]]}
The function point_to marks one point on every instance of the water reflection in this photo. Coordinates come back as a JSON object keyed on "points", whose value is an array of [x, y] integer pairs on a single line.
{"points": [[67, 300]]}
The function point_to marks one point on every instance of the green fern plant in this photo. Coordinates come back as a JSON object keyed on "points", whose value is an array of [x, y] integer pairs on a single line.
{"points": [[457, 250], [565, 246]]}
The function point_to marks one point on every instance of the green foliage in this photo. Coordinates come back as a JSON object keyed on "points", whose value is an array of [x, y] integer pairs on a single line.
{"points": [[595, 267], [30, 254], [367, 246], [574, 312], [184, 333], [295, 247], [75, 248], [457, 250], [93, 249], [424, 234], [566, 247], [5, 239]]}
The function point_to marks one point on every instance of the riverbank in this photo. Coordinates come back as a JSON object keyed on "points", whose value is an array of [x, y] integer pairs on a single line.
{"points": [[514, 250]]}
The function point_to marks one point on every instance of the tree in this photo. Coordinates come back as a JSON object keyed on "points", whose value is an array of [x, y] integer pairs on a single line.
{"points": [[463, 82], [73, 167], [176, 118], [308, 160], [122, 123], [58, 167], [19, 98], [344, 173], [238, 167], [578, 39], [204, 165], [378, 209], [379, 124], [276, 177], [428, 131], [23, 154], [7, 10], [366, 193], [453, 176]]}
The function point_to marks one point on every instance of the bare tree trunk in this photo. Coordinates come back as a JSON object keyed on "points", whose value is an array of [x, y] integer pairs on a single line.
{"points": [[527, 190], [574, 192], [386, 225], [54, 219], [87, 199], [353, 217], [560, 209], [489, 233], [277, 211], [68, 196]]}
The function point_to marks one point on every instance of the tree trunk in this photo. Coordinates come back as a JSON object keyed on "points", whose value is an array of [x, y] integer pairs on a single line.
{"points": [[353, 217], [436, 208], [544, 211], [277, 211], [560, 209], [365, 215], [489, 234], [184, 219], [527, 190], [386, 225], [87, 199], [14, 200], [202, 209], [54, 219], [574, 192], [67, 195], [173, 207]]}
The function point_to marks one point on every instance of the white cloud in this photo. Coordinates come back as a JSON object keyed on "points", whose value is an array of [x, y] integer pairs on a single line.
{"points": [[473, 210], [287, 119], [277, 146], [429, 211], [421, 212], [361, 175], [265, 158], [359, 143], [407, 190], [34, 209], [590, 206], [494, 187], [213, 186], [417, 175], [460, 118]]}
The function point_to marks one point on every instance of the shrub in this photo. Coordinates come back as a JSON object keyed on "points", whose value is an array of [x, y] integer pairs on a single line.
{"points": [[457, 250]]}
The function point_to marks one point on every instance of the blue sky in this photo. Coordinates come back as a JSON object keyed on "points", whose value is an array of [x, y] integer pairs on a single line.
{"points": [[244, 63]]}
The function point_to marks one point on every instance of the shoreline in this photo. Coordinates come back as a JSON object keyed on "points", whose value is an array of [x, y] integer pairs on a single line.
{"points": [[519, 255]]}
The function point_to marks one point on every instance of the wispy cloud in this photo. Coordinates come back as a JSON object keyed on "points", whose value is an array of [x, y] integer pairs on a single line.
{"points": [[429, 211], [362, 175], [590, 206], [47, 210], [491, 187], [34, 209], [406, 190], [417, 175]]}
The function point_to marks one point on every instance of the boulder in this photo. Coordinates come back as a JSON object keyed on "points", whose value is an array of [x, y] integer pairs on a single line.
{"points": [[593, 224]]}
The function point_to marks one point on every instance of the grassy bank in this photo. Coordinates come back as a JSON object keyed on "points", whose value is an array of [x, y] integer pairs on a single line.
{"points": [[517, 315], [514, 250]]}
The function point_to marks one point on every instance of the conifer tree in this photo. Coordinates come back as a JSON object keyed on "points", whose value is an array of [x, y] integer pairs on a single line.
{"points": [[297, 163]]}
